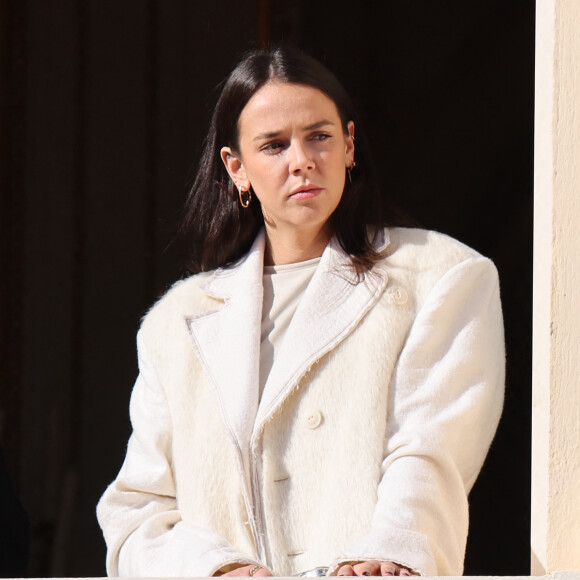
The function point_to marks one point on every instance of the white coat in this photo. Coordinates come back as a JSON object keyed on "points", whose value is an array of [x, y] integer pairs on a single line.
{"points": [[372, 427]]}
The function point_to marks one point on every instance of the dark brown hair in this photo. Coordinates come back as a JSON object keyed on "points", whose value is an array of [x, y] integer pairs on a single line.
{"points": [[215, 230]]}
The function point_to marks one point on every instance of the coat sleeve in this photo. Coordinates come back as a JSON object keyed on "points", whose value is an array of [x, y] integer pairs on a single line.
{"points": [[138, 512], [445, 401]]}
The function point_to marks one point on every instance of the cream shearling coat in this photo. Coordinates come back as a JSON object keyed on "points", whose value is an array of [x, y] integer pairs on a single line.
{"points": [[371, 430]]}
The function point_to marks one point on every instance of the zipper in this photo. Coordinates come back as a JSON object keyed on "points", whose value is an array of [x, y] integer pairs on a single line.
{"points": [[254, 527], [258, 507]]}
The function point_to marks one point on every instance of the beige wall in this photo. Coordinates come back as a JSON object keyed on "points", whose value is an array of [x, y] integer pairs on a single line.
{"points": [[555, 538]]}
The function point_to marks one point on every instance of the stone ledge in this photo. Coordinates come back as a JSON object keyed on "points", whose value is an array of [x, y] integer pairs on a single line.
{"points": [[564, 575]]}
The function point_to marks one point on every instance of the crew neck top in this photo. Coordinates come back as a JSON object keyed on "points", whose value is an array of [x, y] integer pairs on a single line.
{"points": [[284, 287]]}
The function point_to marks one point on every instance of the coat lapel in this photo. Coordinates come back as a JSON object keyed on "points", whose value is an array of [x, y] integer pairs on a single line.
{"points": [[227, 340], [332, 306]]}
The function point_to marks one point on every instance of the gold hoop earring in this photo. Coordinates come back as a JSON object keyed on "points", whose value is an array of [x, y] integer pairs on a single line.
{"points": [[349, 171], [245, 196]]}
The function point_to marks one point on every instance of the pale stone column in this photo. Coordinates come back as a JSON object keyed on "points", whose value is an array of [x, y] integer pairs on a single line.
{"points": [[555, 538]]}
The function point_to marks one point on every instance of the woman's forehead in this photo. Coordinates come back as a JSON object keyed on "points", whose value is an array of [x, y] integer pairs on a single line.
{"points": [[276, 105]]}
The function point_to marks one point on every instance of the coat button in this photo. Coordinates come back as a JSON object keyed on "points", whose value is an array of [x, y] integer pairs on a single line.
{"points": [[314, 419], [397, 295]]}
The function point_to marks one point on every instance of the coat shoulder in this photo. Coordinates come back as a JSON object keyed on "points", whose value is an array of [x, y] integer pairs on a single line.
{"points": [[419, 249], [184, 298], [419, 259]]}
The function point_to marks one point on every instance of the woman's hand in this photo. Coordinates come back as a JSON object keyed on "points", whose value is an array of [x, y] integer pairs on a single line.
{"points": [[251, 570], [374, 568]]}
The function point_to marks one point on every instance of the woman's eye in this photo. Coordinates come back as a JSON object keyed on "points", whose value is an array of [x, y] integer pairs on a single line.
{"points": [[321, 136], [272, 147]]}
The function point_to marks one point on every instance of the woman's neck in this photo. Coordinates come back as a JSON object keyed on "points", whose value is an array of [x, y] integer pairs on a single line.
{"points": [[294, 246]]}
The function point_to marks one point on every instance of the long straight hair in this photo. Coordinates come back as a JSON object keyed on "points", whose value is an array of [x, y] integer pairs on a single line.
{"points": [[216, 230]]}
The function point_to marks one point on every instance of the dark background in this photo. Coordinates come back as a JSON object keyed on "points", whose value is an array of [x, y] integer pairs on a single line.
{"points": [[104, 105]]}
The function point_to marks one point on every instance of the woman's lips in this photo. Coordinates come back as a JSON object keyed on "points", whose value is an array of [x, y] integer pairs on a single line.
{"points": [[306, 193]]}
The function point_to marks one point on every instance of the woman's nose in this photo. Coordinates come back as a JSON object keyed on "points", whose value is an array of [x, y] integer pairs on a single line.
{"points": [[300, 158]]}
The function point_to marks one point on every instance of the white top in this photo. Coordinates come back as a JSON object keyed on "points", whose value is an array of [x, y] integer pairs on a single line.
{"points": [[283, 288]]}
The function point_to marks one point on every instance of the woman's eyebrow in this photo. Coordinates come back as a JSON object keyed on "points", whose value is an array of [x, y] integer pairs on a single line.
{"points": [[270, 135], [273, 134], [318, 124]]}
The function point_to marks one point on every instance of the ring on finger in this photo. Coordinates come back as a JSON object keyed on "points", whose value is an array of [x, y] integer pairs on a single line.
{"points": [[255, 569]]}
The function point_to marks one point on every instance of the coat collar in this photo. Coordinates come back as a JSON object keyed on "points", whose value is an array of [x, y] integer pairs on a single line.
{"points": [[228, 337]]}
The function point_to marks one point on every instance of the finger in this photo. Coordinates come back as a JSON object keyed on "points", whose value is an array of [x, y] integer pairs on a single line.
{"points": [[404, 571], [389, 569], [241, 571], [368, 568], [245, 571], [346, 570]]}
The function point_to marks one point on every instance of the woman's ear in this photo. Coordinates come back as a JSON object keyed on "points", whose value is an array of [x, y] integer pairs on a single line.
{"points": [[349, 144], [235, 168]]}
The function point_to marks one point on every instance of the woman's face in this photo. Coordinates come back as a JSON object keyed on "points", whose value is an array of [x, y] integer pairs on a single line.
{"points": [[294, 154]]}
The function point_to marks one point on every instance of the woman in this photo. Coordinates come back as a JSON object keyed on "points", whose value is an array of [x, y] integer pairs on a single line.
{"points": [[324, 389]]}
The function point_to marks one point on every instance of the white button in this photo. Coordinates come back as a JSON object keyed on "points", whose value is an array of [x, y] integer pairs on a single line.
{"points": [[314, 419], [397, 295]]}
